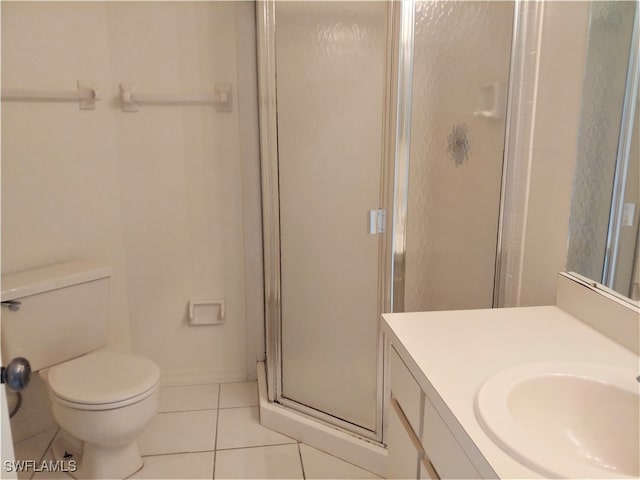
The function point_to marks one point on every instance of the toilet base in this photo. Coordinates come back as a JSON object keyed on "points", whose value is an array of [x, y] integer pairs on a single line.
{"points": [[98, 461]]}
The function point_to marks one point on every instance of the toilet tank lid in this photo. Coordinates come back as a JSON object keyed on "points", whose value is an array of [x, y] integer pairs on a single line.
{"points": [[104, 377], [44, 279]]}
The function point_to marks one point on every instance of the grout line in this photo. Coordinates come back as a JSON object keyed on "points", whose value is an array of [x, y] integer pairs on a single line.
{"points": [[190, 385], [187, 411], [49, 444], [49, 449], [304, 476], [46, 449], [176, 453], [29, 437], [239, 406], [215, 442], [256, 446]]}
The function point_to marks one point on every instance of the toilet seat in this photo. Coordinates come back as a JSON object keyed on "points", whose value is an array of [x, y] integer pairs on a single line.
{"points": [[103, 380]]}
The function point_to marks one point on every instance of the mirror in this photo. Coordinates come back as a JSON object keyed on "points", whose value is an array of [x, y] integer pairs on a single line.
{"points": [[605, 207]]}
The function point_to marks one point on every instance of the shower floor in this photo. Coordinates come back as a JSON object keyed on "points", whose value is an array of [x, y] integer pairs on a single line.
{"points": [[212, 431]]}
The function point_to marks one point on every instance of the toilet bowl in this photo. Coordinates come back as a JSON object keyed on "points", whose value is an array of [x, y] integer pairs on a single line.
{"points": [[105, 399], [102, 399]]}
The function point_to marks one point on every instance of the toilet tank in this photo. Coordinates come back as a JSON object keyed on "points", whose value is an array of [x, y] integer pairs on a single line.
{"points": [[63, 312]]}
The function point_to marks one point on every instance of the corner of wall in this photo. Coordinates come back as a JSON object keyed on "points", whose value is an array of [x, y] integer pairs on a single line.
{"points": [[542, 191]]}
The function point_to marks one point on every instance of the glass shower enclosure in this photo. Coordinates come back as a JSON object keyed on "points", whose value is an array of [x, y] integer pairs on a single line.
{"points": [[382, 139]]}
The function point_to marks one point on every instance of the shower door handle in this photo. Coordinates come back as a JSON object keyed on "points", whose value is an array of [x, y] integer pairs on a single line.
{"points": [[376, 221]]}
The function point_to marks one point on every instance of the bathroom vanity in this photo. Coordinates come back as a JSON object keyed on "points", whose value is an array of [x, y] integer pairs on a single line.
{"points": [[442, 363]]}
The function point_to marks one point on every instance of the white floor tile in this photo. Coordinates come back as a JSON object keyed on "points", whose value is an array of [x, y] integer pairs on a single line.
{"points": [[45, 475], [182, 465], [279, 461], [188, 397], [180, 442], [318, 464], [240, 427], [28, 427], [242, 394], [179, 432], [33, 448]]}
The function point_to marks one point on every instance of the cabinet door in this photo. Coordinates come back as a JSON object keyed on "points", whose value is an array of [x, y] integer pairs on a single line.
{"points": [[441, 447], [405, 390], [404, 454]]}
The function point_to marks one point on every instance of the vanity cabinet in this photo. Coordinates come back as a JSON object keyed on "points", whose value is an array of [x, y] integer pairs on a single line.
{"points": [[443, 449], [420, 443]]}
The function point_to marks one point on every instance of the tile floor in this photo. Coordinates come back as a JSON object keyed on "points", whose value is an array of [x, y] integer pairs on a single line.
{"points": [[212, 431]]}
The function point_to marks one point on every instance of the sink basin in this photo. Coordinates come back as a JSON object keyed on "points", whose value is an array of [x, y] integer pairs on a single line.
{"points": [[565, 420]]}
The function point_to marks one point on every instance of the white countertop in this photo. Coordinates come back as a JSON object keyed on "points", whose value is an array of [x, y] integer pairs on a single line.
{"points": [[451, 354]]}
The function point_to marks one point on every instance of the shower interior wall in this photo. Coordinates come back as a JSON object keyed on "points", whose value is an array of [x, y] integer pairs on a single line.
{"points": [[548, 68], [461, 51], [169, 196]]}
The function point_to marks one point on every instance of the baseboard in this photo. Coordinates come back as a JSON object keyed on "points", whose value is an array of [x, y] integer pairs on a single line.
{"points": [[170, 377], [355, 450]]}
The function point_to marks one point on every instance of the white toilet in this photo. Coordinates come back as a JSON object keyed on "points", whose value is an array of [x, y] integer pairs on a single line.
{"points": [[103, 398]]}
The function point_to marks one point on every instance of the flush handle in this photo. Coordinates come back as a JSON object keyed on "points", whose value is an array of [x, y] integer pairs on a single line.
{"points": [[16, 374]]}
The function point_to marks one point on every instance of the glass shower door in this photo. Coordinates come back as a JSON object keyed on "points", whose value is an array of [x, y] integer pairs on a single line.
{"points": [[323, 132], [330, 70]]}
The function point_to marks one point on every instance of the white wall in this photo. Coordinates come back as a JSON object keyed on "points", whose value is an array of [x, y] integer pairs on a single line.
{"points": [[60, 195], [159, 194], [555, 133], [541, 177]]}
